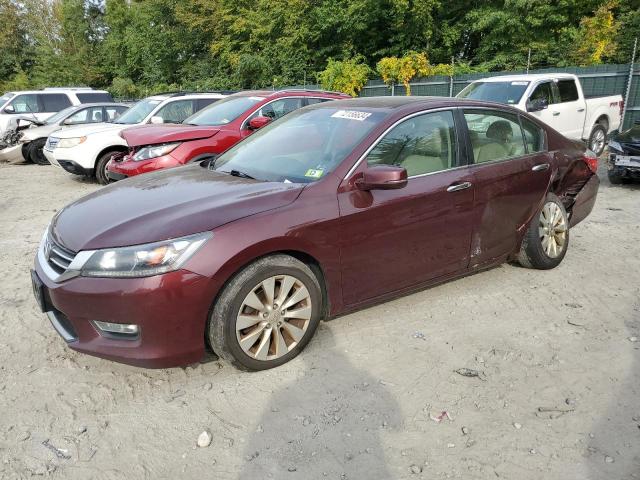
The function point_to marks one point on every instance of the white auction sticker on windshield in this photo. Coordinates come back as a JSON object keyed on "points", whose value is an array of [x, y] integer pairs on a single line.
{"points": [[352, 115]]}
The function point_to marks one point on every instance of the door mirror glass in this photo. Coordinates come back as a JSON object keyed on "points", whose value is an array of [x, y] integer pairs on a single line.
{"points": [[537, 104], [382, 177], [157, 119], [258, 122], [9, 109]]}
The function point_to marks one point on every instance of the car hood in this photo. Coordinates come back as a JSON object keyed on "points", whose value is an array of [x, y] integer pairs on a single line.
{"points": [[165, 204], [34, 133], [84, 130], [165, 133], [631, 136]]}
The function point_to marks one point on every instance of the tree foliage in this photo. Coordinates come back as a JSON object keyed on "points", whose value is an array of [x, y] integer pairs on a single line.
{"points": [[348, 76], [142, 46]]}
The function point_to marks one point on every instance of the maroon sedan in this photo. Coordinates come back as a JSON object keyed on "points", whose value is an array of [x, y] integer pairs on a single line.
{"points": [[332, 208], [209, 132]]}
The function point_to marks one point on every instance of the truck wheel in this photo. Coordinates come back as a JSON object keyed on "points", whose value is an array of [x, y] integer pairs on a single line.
{"points": [[547, 238], [598, 139], [36, 155], [101, 168], [266, 314], [614, 177]]}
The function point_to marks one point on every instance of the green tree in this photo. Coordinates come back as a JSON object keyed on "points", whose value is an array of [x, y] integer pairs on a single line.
{"points": [[348, 76]]}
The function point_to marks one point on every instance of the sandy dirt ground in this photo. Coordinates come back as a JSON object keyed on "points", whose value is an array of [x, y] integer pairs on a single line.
{"points": [[557, 397]]}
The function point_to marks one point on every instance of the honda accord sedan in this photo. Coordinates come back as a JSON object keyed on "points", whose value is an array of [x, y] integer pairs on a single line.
{"points": [[329, 209]]}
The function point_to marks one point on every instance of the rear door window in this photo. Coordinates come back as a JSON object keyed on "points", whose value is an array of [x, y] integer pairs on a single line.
{"points": [[204, 102], [494, 135], [176, 112], [568, 90], [54, 102], [422, 144], [27, 103], [86, 115], [94, 97]]}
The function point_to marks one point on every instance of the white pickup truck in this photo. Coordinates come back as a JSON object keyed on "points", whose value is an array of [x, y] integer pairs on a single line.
{"points": [[556, 99]]}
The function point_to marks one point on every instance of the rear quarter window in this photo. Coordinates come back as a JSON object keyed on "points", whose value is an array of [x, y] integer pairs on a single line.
{"points": [[94, 97]]}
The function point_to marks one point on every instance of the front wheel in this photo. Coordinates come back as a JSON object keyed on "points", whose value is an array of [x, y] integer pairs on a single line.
{"points": [[36, 155], [546, 241], [266, 314], [614, 177], [598, 139], [101, 168]]}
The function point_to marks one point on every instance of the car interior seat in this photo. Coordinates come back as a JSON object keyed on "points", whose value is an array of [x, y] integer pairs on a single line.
{"points": [[499, 134], [97, 116], [431, 153]]}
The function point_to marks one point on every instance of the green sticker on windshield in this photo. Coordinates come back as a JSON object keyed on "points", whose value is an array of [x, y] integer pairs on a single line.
{"points": [[314, 173]]}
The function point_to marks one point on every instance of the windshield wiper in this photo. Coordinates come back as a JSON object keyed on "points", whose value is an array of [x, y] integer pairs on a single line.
{"points": [[238, 173]]}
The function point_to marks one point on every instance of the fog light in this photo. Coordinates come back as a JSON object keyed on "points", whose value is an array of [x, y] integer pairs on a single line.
{"points": [[124, 329]]}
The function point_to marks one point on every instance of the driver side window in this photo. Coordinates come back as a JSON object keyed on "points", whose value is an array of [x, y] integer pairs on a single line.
{"points": [[279, 108], [421, 144], [542, 92]]}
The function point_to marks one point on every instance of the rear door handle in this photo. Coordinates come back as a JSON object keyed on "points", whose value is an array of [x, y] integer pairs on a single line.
{"points": [[555, 114], [458, 186], [540, 167]]}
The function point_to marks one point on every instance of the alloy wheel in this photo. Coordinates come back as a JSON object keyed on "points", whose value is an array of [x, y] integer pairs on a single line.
{"points": [[273, 317], [552, 229], [597, 141]]}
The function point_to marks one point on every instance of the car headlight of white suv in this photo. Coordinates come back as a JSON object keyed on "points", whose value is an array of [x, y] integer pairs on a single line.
{"points": [[71, 142]]}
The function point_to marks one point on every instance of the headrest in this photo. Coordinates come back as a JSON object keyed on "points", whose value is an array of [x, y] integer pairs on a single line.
{"points": [[500, 131]]}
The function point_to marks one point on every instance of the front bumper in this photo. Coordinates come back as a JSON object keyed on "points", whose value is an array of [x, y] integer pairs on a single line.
{"points": [[130, 168], [171, 311], [624, 165], [12, 154]]}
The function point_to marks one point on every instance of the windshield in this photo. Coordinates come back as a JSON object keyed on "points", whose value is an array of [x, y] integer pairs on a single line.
{"points": [[5, 97], [302, 147], [500, 92], [138, 112], [56, 117], [223, 112]]}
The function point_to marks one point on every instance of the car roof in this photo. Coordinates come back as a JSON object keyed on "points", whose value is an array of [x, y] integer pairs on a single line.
{"points": [[56, 90], [181, 95], [291, 91], [100, 104], [525, 77]]}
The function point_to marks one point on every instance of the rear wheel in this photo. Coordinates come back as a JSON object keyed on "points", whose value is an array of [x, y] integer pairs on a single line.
{"points": [[101, 168], [598, 139], [547, 238], [266, 314], [36, 155]]}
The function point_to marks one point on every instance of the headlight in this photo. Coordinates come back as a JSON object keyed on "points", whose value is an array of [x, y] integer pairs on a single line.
{"points": [[154, 151], [70, 142], [143, 260], [613, 145]]}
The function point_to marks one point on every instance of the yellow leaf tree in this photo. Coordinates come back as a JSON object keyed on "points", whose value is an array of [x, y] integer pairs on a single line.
{"points": [[403, 70]]}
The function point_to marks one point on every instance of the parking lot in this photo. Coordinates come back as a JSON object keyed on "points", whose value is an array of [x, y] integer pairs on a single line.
{"points": [[556, 393]]}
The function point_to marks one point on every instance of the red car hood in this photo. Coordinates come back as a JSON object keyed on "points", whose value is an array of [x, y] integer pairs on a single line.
{"points": [[165, 133], [165, 204]]}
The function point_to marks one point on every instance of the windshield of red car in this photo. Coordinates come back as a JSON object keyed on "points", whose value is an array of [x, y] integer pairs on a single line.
{"points": [[301, 147], [223, 111]]}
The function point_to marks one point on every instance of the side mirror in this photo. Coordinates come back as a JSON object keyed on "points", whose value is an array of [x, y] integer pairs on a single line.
{"points": [[209, 161], [9, 109], [537, 104], [258, 122], [383, 177], [157, 120]]}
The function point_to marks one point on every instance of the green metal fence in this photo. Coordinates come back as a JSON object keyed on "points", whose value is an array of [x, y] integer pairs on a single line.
{"points": [[596, 80]]}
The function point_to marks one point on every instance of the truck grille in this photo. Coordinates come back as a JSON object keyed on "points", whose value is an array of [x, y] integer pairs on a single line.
{"points": [[58, 257], [52, 142]]}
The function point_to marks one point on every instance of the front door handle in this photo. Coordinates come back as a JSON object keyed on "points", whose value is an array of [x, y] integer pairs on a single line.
{"points": [[458, 186], [581, 109], [555, 114], [540, 167]]}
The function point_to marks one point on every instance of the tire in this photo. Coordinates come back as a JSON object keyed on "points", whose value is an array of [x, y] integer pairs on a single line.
{"points": [[265, 327], [36, 154], [598, 139], [101, 168], [534, 253], [615, 178]]}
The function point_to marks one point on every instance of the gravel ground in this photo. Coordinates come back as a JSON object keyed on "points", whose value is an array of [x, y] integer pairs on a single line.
{"points": [[557, 395]]}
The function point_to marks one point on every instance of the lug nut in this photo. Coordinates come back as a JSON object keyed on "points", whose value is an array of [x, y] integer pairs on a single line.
{"points": [[265, 315]]}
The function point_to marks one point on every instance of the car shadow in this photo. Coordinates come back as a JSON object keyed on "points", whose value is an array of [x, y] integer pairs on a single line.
{"points": [[328, 423]]}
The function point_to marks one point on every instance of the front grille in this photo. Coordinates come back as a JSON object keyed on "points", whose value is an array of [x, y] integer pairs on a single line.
{"points": [[52, 142], [58, 257]]}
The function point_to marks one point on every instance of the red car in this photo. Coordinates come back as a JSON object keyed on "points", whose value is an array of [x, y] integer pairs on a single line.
{"points": [[334, 207], [210, 131]]}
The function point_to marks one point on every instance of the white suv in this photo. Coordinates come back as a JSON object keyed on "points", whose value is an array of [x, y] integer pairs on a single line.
{"points": [[86, 150], [41, 104]]}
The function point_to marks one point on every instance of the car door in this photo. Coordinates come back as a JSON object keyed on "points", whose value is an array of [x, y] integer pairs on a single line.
{"points": [[544, 90], [571, 110], [393, 239], [511, 174]]}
